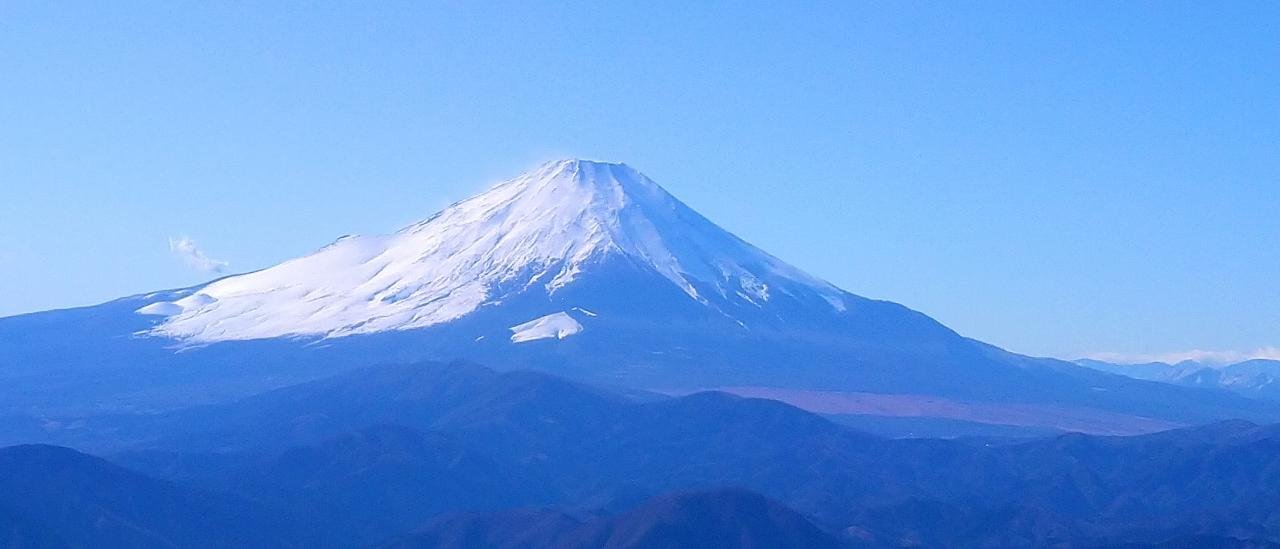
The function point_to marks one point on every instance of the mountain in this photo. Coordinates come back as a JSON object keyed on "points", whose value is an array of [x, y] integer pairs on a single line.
{"points": [[57, 497], [372, 452], [529, 241], [1144, 489], [586, 269], [373, 481], [1256, 378], [366, 455], [722, 518]]}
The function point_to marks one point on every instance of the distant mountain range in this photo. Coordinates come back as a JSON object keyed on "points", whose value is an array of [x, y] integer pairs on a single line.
{"points": [[586, 269], [460, 455], [1257, 378], [57, 498], [718, 519]]}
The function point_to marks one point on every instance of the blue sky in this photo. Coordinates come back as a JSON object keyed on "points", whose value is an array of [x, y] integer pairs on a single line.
{"points": [[1055, 178]]}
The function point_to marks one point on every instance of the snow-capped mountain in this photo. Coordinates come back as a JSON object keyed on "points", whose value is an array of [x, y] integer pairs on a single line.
{"points": [[586, 269], [1255, 378], [537, 233]]}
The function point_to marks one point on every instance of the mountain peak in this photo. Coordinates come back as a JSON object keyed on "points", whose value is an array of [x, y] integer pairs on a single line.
{"points": [[575, 163], [538, 232], [562, 191]]}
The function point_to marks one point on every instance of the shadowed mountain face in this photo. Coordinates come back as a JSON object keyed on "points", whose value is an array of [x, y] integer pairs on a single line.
{"points": [[378, 479], [56, 497], [714, 519], [588, 270]]}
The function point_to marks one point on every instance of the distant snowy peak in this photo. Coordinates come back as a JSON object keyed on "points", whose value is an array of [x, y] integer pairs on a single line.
{"points": [[538, 232]]}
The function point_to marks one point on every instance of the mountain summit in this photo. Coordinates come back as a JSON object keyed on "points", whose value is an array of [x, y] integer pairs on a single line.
{"points": [[537, 233]]}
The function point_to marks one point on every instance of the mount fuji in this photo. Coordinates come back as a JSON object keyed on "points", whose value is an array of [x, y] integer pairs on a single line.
{"points": [[534, 238], [586, 269]]}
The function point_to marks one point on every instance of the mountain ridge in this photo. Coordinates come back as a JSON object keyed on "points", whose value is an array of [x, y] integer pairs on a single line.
{"points": [[562, 443], [1256, 377]]}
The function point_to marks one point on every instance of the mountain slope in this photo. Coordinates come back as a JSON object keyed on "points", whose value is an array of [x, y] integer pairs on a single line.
{"points": [[374, 481], [710, 519], [62, 497]]}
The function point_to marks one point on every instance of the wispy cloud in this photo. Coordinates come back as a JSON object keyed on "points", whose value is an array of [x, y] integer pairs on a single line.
{"points": [[1198, 355], [191, 254]]}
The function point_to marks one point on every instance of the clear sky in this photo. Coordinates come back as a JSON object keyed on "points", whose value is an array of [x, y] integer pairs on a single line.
{"points": [[1056, 178]]}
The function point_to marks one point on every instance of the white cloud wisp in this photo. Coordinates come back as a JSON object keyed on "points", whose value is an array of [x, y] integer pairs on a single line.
{"points": [[191, 254]]}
